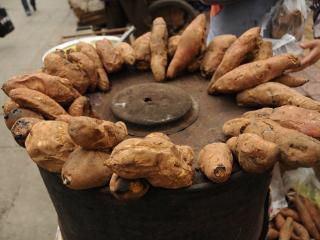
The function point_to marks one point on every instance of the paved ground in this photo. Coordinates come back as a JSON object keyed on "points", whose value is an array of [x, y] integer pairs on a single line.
{"points": [[25, 208]]}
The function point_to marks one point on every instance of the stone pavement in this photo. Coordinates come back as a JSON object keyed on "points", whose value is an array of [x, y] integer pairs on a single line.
{"points": [[26, 211]]}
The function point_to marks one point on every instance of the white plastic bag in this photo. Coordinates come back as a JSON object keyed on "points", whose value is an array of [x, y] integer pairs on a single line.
{"points": [[290, 18]]}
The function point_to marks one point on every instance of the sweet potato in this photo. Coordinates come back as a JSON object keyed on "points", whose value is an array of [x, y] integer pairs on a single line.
{"points": [[300, 231], [305, 217], [142, 52], [85, 169], [288, 212], [59, 89], [214, 54], [128, 189], [18, 113], [90, 51], [21, 129], [296, 149], [279, 220], [275, 95], [127, 53], [291, 81], [189, 46], [8, 106], [254, 154], [314, 212], [215, 161], [81, 107], [286, 230], [272, 234], [173, 44], [252, 74], [95, 134], [110, 56], [264, 51], [37, 101], [57, 64], [237, 52], [303, 120], [155, 158], [159, 48], [49, 145]]}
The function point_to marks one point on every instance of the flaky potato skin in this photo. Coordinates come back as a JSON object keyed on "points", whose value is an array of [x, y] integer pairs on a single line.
{"points": [[214, 54], [272, 94], [159, 48], [85, 169], [252, 74], [142, 52], [57, 64], [127, 53], [59, 89], [95, 134], [37, 102], [173, 42], [291, 81], [254, 154], [109, 55], [49, 145], [215, 161], [128, 189], [18, 113], [155, 158], [296, 149], [237, 52], [22, 127], [303, 120], [189, 46]]}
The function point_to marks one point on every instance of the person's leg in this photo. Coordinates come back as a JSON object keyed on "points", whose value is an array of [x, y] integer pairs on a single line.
{"points": [[138, 14], [26, 7], [115, 16], [33, 4]]}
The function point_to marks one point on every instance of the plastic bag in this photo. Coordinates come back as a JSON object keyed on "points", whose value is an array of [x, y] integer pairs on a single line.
{"points": [[290, 18], [286, 44]]}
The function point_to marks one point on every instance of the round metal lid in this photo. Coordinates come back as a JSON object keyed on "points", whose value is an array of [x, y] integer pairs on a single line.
{"points": [[151, 104]]}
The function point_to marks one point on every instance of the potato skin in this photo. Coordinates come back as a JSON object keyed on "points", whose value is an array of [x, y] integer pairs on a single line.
{"points": [[189, 46], [59, 89], [128, 189], [215, 161], [95, 134], [49, 145], [18, 113], [159, 48], [252, 74], [142, 52], [214, 54], [38, 102], [278, 95], [254, 154], [85, 169]]}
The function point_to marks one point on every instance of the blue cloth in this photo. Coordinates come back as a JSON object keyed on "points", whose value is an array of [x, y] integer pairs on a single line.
{"points": [[238, 17]]}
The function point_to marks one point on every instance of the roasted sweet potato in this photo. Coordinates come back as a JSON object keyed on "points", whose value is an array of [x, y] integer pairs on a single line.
{"points": [[254, 154], [59, 89], [215, 161], [275, 95], [189, 46], [128, 189], [291, 81], [8, 106], [214, 54], [301, 119], [159, 48], [21, 129], [95, 134], [37, 101], [296, 149], [127, 53], [237, 52], [154, 158], [81, 107], [252, 74], [142, 52], [85, 169], [109, 55], [18, 113], [49, 145], [57, 64], [173, 44]]}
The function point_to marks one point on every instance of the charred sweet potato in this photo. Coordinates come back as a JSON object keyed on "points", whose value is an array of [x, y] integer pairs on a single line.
{"points": [[9, 105], [127, 53], [81, 107], [18, 113]]}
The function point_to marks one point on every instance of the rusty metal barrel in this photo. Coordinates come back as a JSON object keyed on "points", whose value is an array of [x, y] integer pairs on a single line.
{"points": [[236, 209]]}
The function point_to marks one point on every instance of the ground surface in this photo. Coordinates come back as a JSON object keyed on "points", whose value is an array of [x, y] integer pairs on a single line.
{"points": [[25, 208]]}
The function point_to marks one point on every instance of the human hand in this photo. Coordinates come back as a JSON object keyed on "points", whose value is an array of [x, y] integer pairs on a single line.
{"points": [[314, 53]]}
